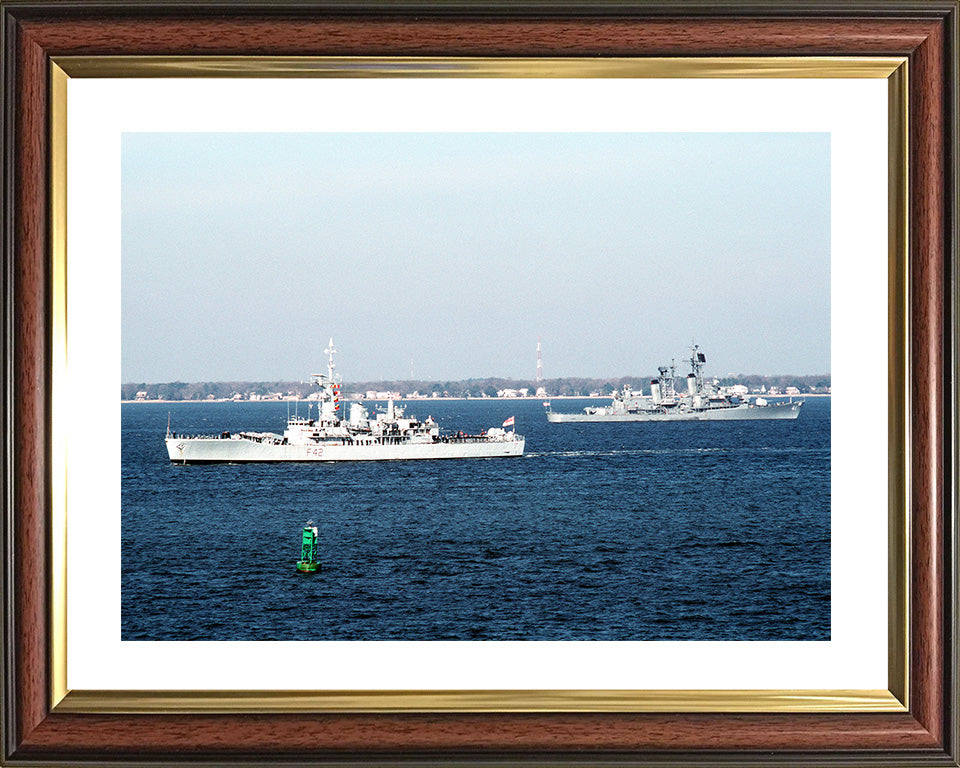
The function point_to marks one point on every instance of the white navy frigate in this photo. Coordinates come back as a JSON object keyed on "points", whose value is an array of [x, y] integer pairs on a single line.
{"points": [[697, 401], [388, 435]]}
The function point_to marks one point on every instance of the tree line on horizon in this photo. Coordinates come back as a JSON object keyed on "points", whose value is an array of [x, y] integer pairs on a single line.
{"points": [[570, 386]]}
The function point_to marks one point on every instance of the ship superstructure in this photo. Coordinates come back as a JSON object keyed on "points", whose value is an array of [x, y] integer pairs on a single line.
{"points": [[388, 435], [696, 400]]}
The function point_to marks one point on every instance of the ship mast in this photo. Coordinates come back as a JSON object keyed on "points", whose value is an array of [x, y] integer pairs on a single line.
{"points": [[329, 352], [666, 385], [329, 387], [697, 359]]}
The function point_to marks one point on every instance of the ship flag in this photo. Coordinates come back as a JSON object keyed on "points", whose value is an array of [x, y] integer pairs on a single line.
{"points": [[509, 422]]}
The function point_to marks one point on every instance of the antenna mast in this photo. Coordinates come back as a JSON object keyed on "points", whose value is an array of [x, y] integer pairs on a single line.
{"points": [[539, 362], [329, 352]]}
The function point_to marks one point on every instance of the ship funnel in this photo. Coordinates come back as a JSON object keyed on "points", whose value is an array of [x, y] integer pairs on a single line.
{"points": [[358, 414], [655, 391], [691, 384]]}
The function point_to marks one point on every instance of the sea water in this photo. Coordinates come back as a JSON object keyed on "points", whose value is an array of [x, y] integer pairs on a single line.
{"points": [[610, 531]]}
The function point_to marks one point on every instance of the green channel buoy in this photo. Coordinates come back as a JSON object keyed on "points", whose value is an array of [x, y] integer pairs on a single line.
{"points": [[309, 557]]}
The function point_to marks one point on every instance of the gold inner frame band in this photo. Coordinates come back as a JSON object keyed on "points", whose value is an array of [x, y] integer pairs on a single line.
{"points": [[58, 368], [898, 384], [235, 702], [430, 66], [893, 69]]}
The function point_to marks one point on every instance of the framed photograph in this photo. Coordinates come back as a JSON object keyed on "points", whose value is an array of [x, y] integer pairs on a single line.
{"points": [[210, 192]]}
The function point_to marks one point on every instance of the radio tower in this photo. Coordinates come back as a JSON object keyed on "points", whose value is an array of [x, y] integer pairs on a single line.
{"points": [[539, 363]]}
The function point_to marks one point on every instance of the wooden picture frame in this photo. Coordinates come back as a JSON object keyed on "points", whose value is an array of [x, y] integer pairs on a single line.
{"points": [[37, 730]]}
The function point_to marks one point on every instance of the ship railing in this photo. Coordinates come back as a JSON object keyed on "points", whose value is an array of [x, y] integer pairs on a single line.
{"points": [[185, 436], [459, 439]]}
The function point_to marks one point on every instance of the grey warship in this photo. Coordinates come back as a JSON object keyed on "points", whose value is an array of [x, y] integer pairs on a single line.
{"points": [[701, 401]]}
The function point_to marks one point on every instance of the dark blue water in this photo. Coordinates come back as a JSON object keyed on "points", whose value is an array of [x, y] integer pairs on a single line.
{"points": [[677, 531]]}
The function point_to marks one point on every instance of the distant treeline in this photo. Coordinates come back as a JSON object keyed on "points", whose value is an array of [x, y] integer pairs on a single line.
{"points": [[490, 387]]}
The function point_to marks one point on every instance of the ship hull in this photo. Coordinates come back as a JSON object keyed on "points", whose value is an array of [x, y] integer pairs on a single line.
{"points": [[202, 450], [736, 413]]}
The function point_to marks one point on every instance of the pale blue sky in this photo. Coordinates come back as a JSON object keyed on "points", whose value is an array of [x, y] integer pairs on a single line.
{"points": [[243, 253]]}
